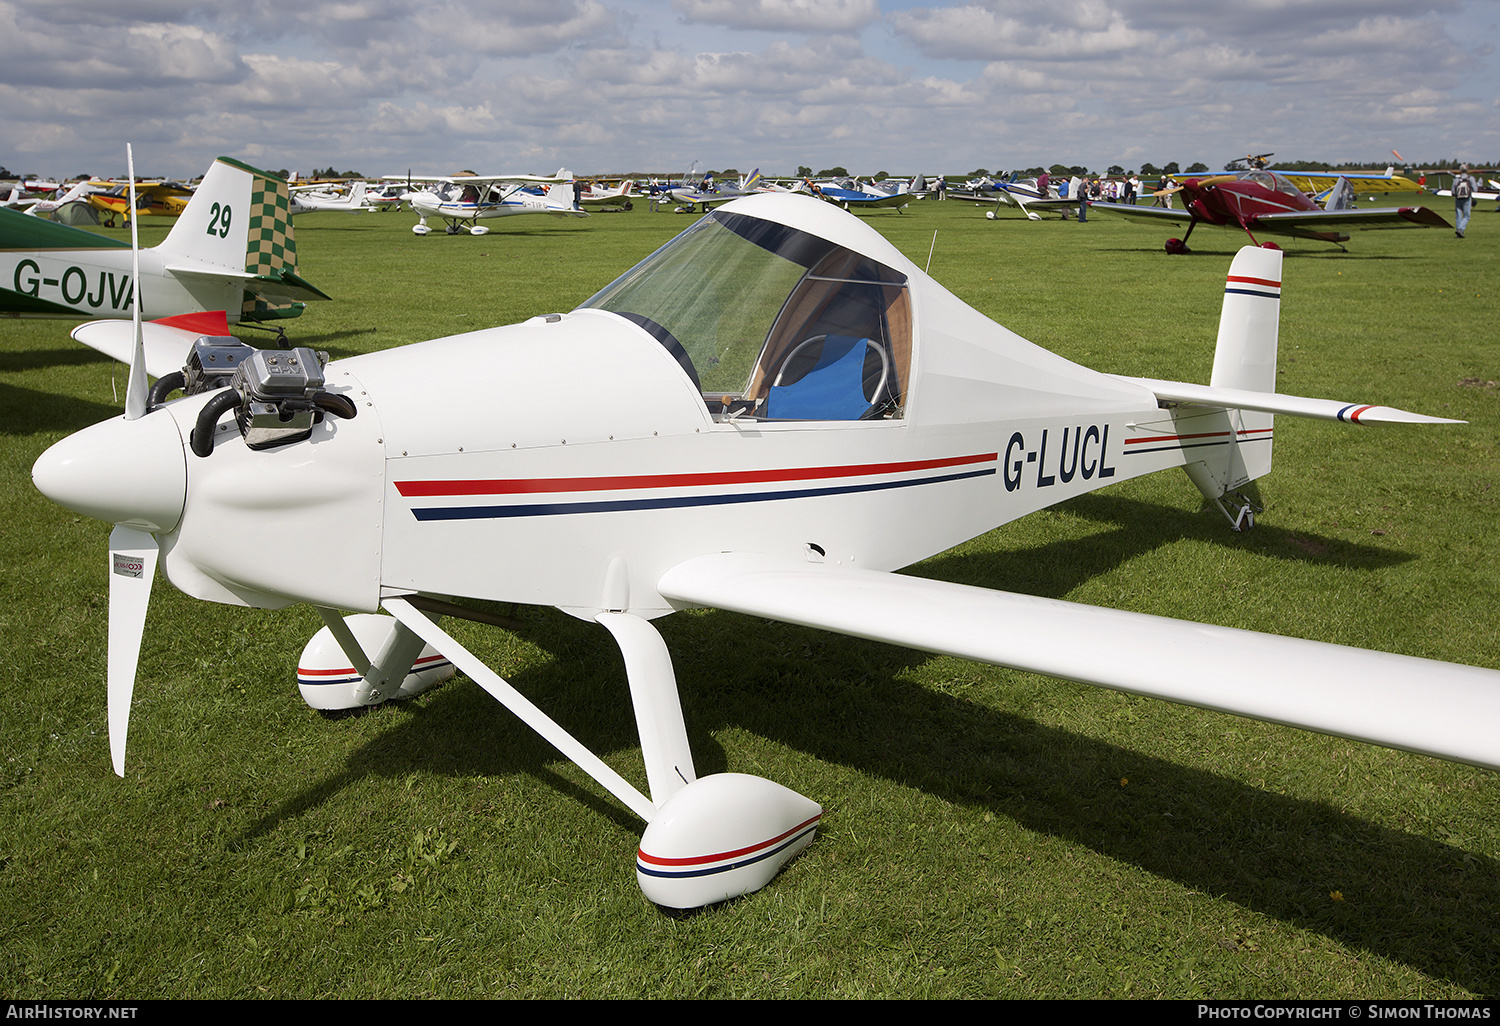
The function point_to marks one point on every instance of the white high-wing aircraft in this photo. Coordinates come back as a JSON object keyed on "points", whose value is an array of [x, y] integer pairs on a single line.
{"points": [[768, 414], [317, 197], [463, 200]]}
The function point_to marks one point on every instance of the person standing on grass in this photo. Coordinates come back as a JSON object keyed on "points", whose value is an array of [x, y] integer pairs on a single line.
{"points": [[1463, 199]]}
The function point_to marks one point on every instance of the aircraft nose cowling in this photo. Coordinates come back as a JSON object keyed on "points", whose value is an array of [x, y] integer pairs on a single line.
{"points": [[130, 472]]}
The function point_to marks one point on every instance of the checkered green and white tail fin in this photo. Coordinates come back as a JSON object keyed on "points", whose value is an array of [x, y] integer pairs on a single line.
{"points": [[239, 224]]}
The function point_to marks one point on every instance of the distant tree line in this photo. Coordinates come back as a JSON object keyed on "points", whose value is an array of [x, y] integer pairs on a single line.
{"points": [[329, 172]]}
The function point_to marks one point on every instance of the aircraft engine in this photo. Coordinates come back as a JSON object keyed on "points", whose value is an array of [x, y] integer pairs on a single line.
{"points": [[277, 396]]}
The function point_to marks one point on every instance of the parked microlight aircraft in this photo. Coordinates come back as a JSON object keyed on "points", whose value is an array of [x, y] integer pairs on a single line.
{"points": [[232, 250], [1268, 203], [152, 199], [699, 190], [768, 414], [854, 196], [594, 194], [463, 200], [1318, 182], [317, 197], [1027, 196], [78, 193]]}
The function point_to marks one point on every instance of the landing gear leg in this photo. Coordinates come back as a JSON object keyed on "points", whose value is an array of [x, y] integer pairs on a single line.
{"points": [[1180, 245], [1238, 509], [707, 840]]}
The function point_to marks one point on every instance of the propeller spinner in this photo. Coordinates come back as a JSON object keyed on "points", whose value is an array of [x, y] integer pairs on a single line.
{"points": [[133, 474]]}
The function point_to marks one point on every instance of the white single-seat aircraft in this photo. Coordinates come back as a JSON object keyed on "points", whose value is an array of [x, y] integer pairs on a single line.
{"points": [[464, 200], [769, 414], [596, 194], [318, 197]]}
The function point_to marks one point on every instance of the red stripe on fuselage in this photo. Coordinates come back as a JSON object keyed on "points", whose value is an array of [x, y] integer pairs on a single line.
{"points": [[513, 486]]}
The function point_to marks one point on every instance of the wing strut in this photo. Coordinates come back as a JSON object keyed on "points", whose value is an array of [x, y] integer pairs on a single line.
{"points": [[517, 703]]}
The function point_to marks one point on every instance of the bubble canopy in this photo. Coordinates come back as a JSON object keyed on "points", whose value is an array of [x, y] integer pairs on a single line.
{"points": [[739, 300]]}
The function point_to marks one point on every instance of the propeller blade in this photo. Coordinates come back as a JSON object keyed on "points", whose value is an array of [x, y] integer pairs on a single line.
{"points": [[135, 387], [132, 565]]}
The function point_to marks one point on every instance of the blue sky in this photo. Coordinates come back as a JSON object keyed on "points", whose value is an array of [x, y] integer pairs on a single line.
{"points": [[594, 85]]}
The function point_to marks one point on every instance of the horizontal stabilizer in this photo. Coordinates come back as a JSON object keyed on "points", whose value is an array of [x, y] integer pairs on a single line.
{"points": [[1273, 402], [283, 285], [1420, 705], [167, 347]]}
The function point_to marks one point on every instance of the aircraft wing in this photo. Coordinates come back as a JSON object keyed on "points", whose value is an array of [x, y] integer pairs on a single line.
{"points": [[1313, 222], [1144, 213], [863, 199], [281, 286], [1419, 705], [1308, 182], [900, 199], [166, 347], [485, 180]]}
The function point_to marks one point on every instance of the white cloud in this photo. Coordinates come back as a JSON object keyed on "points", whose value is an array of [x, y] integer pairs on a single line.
{"points": [[602, 84], [782, 15], [519, 27]]}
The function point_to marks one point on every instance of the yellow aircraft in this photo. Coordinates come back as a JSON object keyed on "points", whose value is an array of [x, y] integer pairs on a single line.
{"points": [[1318, 183], [152, 199]]}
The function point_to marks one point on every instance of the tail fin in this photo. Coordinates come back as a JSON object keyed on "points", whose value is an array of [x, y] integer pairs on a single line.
{"points": [[1249, 322], [1341, 196], [1245, 358], [357, 194], [238, 226], [1241, 401]]}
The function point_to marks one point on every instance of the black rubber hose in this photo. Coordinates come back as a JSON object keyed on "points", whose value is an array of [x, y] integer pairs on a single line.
{"points": [[202, 438], [338, 405], [165, 386]]}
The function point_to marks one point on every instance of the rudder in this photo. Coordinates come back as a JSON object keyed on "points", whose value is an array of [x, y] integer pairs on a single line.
{"points": [[239, 220]]}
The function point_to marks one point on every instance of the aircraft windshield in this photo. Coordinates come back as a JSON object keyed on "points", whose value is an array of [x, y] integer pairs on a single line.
{"points": [[1276, 183], [736, 299]]}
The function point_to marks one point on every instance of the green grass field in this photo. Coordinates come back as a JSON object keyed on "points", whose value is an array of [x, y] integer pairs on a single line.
{"points": [[987, 834]]}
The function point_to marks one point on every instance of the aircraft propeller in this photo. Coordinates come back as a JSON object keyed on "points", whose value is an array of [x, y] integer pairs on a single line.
{"points": [[132, 552], [132, 488], [132, 559]]}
